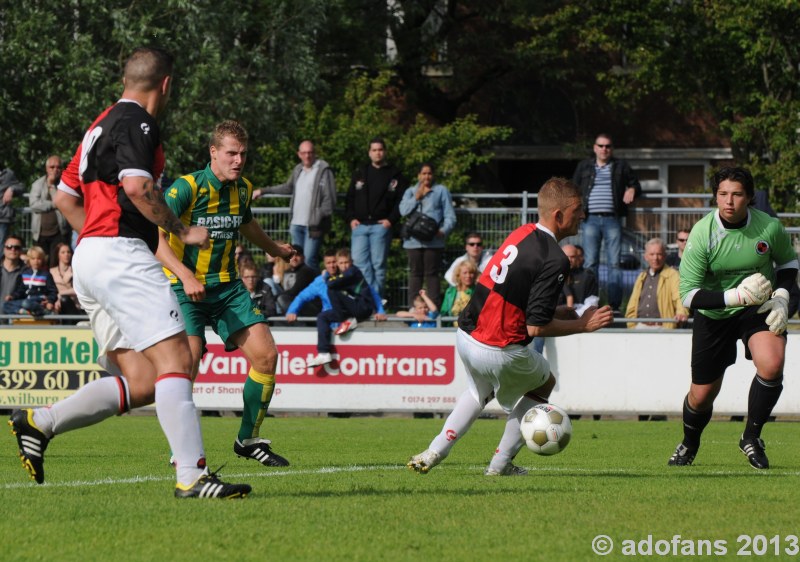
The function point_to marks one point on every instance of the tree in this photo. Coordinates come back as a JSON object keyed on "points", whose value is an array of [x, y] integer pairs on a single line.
{"points": [[62, 64], [733, 63]]}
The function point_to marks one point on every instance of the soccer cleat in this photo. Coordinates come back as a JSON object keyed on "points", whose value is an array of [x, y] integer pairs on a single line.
{"points": [[259, 450], [346, 326], [683, 456], [210, 486], [423, 462], [508, 470], [753, 448], [32, 443], [320, 359]]}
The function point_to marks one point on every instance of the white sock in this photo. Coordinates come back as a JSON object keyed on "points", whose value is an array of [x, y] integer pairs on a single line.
{"points": [[96, 401], [457, 424], [512, 440], [178, 418]]}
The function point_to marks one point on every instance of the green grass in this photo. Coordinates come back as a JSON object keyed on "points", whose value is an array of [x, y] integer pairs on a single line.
{"points": [[348, 496]]}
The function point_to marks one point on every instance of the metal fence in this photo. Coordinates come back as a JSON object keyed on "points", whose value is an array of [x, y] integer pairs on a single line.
{"points": [[495, 215]]}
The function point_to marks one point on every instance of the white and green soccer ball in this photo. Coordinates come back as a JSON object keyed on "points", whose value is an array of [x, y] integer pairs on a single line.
{"points": [[546, 429]]}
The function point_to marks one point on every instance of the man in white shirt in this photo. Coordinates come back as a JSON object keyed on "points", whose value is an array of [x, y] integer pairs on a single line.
{"points": [[313, 190], [475, 252]]}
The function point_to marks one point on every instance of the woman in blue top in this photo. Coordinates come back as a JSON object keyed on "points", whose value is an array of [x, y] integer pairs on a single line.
{"points": [[425, 257]]}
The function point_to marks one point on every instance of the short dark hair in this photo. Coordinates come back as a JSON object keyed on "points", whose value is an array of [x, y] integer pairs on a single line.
{"points": [[376, 140], [472, 235], [426, 164], [736, 174], [329, 253]]}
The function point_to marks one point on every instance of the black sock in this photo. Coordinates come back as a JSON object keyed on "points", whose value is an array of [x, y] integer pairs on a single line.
{"points": [[694, 423], [763, 397]]}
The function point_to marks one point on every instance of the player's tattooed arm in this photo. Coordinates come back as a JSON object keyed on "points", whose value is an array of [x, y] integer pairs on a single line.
{"points": [[144, 194]]}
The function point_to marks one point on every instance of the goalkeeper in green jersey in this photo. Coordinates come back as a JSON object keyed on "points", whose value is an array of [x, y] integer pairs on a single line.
{"points": [[733, 260], [207, 283]]}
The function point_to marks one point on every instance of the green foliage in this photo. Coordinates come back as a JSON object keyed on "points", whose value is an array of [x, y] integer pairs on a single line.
{"points": [[341, 130], [735, 61], [62, 65]]}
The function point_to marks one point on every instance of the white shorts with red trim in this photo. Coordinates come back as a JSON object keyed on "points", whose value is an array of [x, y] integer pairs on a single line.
{"points": [[509, 371], [122, 287]]}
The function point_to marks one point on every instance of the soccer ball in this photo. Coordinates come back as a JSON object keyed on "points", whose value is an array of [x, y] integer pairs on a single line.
{"points": [[546, 429]]}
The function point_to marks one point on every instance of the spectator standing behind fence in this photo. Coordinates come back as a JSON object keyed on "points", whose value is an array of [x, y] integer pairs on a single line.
{"points": [[674, 258], [656, 292], [423, 311], [48, 225], [608, 186], [425, 256], [62, 275], [473, 246], [10, 187], [312, 187], [371, 209], [35, 292], [581, 283], [456, 298]]}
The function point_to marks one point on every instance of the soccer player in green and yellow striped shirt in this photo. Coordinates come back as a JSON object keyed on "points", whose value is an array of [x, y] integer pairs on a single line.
{"points": [[207, 283]]}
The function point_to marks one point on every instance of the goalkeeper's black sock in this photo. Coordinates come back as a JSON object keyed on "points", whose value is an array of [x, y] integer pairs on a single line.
{"points": [[764, 395], [694, 423]]}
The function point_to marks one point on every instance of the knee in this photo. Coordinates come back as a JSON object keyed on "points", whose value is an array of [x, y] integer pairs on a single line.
{"points": [[141, 394], [701, 400], [266, 361]]}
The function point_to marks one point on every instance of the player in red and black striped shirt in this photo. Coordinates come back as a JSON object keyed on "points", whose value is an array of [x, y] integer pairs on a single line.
{"points": [[109, 194], [514, 301]]}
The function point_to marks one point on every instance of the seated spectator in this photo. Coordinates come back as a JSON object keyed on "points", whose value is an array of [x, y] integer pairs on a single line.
{"points": [[424, 312], [67, 302], [457, 297], [674, 258], [12, 266], [351, 301], [296, 277], [655, 292], [473, 244], [261, 294], [35, 292], [581, 283], [316, 295]]}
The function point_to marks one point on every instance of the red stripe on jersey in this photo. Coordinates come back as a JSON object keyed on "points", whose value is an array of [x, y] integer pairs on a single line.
{"points": [[93, 171], [497, 312]]}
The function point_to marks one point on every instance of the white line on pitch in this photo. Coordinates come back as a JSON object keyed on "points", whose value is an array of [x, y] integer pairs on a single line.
{"points": [[228, 476]]}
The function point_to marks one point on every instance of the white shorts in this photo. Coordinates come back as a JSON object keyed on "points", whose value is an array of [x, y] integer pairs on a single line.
{"points": [[509, 371], [122, 287]]}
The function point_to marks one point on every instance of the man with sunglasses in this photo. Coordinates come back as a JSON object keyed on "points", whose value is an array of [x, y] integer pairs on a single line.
{"points": [[608, 186], [674, 258], [473, 244], [12, 266]]}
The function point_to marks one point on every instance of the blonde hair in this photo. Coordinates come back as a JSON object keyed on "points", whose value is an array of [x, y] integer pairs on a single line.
{"points": [[456, 278], [36, 251]]}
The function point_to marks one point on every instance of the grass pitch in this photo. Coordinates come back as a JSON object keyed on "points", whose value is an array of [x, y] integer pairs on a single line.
{"points": [[348, 496]]}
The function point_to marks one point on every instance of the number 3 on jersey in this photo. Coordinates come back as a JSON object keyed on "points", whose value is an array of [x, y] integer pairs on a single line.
{"points": [[500, 270]]}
